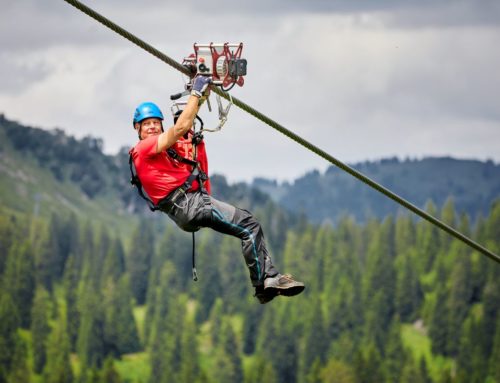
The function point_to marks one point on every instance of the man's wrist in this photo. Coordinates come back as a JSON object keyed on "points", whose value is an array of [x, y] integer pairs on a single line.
{"points": [[196, 93]]}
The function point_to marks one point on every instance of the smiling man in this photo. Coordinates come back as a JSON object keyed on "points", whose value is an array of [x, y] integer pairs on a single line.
{"points": [[171, 166]]}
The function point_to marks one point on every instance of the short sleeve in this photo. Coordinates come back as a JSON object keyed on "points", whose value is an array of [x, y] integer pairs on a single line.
{"points": [[146, 147]]}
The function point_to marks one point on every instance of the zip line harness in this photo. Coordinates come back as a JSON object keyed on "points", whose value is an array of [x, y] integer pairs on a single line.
{"points": [[169, 202], [275, 125]]}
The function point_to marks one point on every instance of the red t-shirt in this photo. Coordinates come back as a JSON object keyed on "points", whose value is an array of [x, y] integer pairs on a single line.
{"points": [[159, 173]]}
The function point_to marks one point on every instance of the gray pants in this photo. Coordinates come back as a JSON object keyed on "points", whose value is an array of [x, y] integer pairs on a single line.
{"points": [[196, 210]]}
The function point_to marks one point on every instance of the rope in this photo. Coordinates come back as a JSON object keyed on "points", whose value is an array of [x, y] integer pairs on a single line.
{"points": [[273, 124]]}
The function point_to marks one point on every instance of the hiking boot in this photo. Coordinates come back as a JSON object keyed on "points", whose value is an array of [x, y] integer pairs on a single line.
{"points": [[283, 284], [264, 296]]}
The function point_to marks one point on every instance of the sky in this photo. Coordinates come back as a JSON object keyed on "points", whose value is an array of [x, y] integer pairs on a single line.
{"points": [[363, 80]]}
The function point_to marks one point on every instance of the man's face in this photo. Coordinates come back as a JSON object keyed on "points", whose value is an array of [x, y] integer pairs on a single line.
{"points": [[149, 127]]}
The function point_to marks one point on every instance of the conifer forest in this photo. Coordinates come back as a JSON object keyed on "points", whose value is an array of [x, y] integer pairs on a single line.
{"points": [[389, 300]]}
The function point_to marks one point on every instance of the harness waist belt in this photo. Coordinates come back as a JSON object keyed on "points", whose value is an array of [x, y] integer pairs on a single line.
{"points": [[166, 204]]}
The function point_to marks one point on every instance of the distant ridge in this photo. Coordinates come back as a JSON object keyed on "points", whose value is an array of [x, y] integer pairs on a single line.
{"points": [[473, 185]]}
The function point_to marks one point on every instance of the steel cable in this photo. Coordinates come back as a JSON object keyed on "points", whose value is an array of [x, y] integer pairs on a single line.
{"points": [[268, 121]]}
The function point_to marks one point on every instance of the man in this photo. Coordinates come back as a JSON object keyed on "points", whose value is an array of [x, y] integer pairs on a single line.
{"points": [[168, 179]]}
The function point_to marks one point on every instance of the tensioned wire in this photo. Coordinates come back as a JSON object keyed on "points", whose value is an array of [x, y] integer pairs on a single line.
{"points": [[273, 124]]}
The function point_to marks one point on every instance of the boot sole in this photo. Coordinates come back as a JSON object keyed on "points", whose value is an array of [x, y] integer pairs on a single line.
{"points": [[287, 291]]}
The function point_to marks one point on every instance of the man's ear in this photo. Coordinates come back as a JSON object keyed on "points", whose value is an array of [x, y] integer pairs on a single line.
{"points": [[137, 127]]}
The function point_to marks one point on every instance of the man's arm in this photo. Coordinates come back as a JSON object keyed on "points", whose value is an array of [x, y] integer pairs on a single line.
{"points": [[185, 121], [182, 126]]}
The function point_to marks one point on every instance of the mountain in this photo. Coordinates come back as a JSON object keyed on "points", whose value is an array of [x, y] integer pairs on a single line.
{"points": [[473, 185], [46, 171]]}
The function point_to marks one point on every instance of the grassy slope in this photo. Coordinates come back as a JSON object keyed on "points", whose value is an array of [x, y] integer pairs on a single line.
{"points": [[420, 345], [25, 185]]}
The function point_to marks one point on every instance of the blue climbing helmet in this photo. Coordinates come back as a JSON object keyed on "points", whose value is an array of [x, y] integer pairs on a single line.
{"points": [[147, 110]]}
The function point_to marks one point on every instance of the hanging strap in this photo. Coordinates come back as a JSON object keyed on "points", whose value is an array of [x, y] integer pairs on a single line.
{"points": [[195, 274]]}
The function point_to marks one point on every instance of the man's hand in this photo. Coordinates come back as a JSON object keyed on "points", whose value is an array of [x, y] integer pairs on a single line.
{"points": [[200, 85]]}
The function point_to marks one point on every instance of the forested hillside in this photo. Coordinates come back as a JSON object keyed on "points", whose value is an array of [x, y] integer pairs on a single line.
{"points": [[97, 289], [390, 301]]}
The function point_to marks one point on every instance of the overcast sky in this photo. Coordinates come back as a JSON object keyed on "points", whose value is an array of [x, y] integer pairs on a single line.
{"points": [[360, 79]]}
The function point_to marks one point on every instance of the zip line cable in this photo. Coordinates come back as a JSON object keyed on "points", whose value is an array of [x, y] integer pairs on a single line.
{"points": [[273, 124]]}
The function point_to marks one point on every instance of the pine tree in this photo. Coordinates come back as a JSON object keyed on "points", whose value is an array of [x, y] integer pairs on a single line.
{"points": [[494, 366], [9, 234], [103, 247], [228, 361], [139, 260], [409, 293], [109, 373], [448, 216], [216, 318], [90, 375], [40, 328], [114, 263], [438, 327], [120, 329], [163, 304], [237, 287], [252, 317], [314, 374], [340, 311], [58, 366], [395, 355], [458, 301], [323, 252], [492, 229], [189, 370], [428, 238], [491, 313], [298, 255], [47, 255], [164, 338], [424, 371], [64, 235], [404, 235], [69, 240], [70, 283], [19, 280], [471, 363], [209, 287], [314, 341], [90, 344], [277, 341], [336, 371], [9, 323], [411, 373], [261, 371], [379, 284], [19, 370], [176, 247], [368, 365]]}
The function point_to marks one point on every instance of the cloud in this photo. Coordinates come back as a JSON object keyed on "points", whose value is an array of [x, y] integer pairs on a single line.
{"points": [[20, 72], [361, 79]]}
